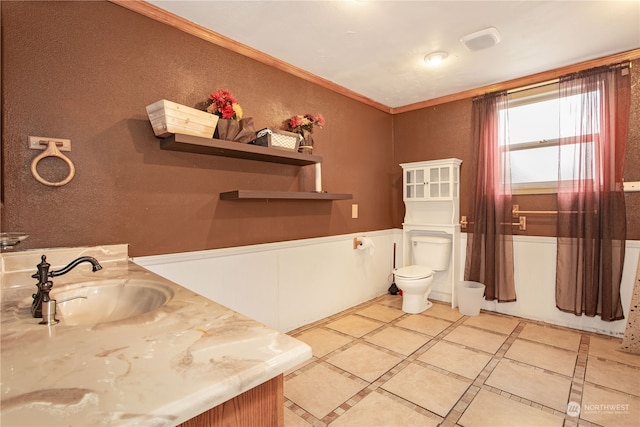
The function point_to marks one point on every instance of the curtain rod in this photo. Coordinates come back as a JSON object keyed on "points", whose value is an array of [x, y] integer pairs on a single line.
{"points": [[533, 86], [556, 80]]}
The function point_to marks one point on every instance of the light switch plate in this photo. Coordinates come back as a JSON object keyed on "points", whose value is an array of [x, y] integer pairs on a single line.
{"points": [[354, 211], [40, 143]]}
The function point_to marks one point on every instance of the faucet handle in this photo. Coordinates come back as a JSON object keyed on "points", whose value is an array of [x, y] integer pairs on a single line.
{"points": [[45, 288], [43, 270]]}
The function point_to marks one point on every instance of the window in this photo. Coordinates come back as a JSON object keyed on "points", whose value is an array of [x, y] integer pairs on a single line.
{"points": [[534, 133]]}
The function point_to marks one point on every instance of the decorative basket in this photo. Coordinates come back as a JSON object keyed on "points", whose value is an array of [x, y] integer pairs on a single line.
{"points": [[168, 118], [277, 139]]}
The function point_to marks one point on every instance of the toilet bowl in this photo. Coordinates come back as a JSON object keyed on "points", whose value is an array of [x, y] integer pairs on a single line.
{"points": [[428, 254], [415, 282]]}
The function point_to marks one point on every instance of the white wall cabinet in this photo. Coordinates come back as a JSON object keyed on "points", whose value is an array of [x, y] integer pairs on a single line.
{"points": [[432, 191], [429, 181]]}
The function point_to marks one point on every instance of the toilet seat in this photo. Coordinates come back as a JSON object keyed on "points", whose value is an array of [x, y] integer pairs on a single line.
{"points": [[414, 272]]}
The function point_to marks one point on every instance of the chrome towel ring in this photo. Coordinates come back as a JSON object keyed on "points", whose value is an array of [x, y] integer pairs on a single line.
{"points": [[52, 151]]}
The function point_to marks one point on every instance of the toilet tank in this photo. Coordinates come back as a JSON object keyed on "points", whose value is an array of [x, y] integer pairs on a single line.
{"points": [[431, 251]]}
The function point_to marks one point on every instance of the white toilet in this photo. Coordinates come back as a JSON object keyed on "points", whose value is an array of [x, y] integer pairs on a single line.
{"points": [[428, 255]]}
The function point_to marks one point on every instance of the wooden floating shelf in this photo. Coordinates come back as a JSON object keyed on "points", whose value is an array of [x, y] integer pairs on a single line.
{"points": [[281, 195], [219, 147]]}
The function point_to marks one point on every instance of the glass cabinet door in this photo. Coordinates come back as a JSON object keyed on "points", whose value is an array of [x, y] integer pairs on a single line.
{"points": [[409, 184], [455, 185], [414, 184], [445, 181], [420, 184], [434, 183], [440, 182]]}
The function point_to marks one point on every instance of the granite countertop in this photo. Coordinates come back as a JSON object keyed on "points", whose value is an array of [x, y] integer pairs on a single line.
{"points": [[160, 368]]}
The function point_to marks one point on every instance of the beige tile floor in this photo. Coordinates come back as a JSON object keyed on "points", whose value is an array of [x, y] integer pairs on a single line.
{"points": [[374, 365]]}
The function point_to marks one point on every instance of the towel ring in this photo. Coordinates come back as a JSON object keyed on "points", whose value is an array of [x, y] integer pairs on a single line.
{"points": [[52, 151]]}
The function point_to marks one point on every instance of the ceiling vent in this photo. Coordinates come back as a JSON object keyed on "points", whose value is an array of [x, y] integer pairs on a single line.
{"points": [[481, 39]]}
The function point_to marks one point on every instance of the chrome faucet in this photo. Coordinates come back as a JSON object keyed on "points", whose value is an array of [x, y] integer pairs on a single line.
{"points": [[45, 285]]}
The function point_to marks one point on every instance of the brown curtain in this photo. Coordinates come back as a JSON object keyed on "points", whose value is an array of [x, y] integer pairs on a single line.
{"points": [[489, 257], [594, 124]]}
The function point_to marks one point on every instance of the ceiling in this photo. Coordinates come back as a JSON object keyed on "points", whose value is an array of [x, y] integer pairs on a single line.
{"points": [[376, 48]]}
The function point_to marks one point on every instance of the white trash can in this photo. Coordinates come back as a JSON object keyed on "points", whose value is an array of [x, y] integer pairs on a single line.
{"points": [[470, 296]]}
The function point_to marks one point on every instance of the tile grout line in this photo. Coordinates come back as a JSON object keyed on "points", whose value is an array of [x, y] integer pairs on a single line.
{"points": [[527, 401], [578, 379], [577, 382], [576, 390], [374, 386], [333, 317], [467, 397], [371, 386], [407, 360]]}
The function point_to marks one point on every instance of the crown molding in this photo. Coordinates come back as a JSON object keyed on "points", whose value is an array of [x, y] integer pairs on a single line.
{"points": [[532, 79], [168, 18], [151, 11]]}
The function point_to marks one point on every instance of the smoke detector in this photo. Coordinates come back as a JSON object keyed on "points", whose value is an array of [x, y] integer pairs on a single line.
{"points": [[481, 39]]}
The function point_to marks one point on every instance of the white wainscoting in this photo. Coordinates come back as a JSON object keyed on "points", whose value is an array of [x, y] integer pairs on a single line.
{"points": [[535, 280], [290, 284], [286, 285]]}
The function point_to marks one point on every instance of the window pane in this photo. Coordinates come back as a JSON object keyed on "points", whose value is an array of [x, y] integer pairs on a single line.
{"points": [[534, 117], [577, 161], [534, 122], [534, 165], [541, 164]]}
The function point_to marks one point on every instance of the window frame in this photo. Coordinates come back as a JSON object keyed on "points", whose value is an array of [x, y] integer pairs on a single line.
{"points": [[532, 95]]}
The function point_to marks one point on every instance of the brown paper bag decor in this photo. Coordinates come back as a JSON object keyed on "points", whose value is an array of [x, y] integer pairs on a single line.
{"points": [[236, 130]]}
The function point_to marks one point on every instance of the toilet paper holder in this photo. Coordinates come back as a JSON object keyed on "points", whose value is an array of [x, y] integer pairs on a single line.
{"points": [[356, 242], [363, 243]]}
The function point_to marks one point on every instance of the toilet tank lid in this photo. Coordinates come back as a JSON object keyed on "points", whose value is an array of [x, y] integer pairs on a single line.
{"points": [[414, 271], [430, 239]]}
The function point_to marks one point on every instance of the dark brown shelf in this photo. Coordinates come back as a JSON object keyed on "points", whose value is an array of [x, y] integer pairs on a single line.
{"points": [[283, 195], [219, 147]]}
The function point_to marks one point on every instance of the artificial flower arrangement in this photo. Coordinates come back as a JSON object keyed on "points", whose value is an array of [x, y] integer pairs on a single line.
{"points": [[303, 125], [232, 126], [300, 123], [225, 105]]}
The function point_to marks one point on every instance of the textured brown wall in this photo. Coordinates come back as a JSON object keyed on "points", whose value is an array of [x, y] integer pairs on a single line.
{"points": [[90, 69], [439, 132], [86, 70], [632, 160], [444, 131]]}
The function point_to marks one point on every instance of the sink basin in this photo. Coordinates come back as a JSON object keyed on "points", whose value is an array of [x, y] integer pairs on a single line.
{"points": [[109, 300]]}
